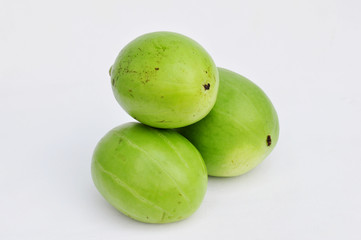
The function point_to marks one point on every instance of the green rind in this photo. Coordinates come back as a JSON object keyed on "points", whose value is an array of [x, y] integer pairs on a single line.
{"points": [[151, 175], [233, 137], [159, 79]]}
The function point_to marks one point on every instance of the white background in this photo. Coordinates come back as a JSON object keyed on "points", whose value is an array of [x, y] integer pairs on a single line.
{"points": [[56, 103]]}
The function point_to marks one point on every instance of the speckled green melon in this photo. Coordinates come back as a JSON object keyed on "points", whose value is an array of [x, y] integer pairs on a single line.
{"points": [[165, 80]]}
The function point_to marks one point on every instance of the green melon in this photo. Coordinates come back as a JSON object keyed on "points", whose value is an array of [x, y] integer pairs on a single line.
{"points": [[239, 132], [165, 80], [151, 175]]}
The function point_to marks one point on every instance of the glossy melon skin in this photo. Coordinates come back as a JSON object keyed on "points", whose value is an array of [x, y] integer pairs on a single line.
{"points": [[151, 175], [165, 80], [239, 132]]}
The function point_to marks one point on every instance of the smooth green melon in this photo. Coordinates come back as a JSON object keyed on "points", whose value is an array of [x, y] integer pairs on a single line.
{"points": [[240, 131]]}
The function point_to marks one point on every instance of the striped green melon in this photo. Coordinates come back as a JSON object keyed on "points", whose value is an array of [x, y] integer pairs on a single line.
{"points": [[151, 175]]}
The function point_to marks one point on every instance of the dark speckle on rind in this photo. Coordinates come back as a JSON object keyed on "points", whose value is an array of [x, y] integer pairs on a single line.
{"points": [[113, 82], [156, 68], [164, 121], [269, 140], [144, 82], [207, 86], [127, 70]]}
